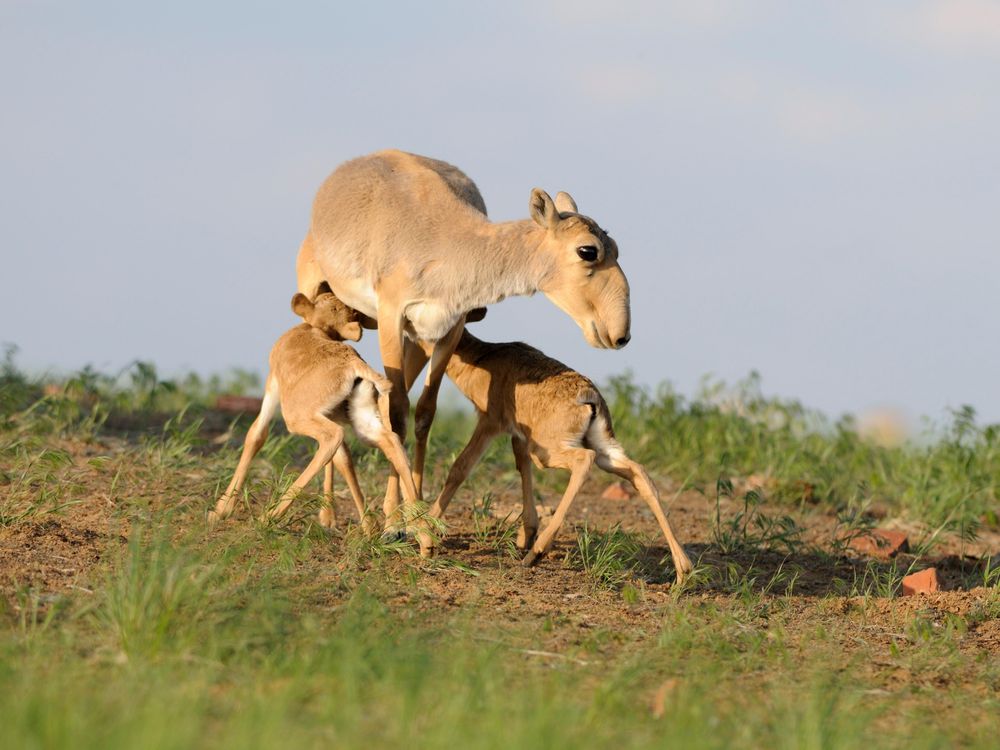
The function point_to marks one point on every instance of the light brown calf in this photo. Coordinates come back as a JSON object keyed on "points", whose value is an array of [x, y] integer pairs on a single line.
{"points": [[556, 417], [322, 386]]}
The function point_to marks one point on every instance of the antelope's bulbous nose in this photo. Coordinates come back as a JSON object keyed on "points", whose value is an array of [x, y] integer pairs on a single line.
{"points": [[620, 342]]}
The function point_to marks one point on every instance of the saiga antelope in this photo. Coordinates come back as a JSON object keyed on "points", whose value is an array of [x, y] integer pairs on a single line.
{"points": [[405, 241], [322, 386], [555, 417]]}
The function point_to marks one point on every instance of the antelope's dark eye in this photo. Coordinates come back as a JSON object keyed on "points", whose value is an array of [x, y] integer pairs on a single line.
{"points": [[587, 253]]}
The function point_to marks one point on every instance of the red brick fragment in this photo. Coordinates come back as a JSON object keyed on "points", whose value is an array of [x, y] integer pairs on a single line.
{"points": [[884, 543], [238, 404], [616, 491], [920, 583]]}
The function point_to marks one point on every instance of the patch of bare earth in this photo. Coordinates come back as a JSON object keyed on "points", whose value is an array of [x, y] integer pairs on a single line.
{"points": [[803, 590]]}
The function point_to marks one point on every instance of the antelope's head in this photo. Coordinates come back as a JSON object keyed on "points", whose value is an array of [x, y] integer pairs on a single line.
{"points": [[584, 278], [328, 314]]}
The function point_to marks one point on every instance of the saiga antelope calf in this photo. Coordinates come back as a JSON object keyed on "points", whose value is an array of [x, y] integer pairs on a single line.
{"points": [[405, 240], [322, 386], [556, 417]]}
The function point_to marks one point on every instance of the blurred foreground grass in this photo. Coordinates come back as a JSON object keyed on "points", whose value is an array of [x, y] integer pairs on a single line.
{"points": [[191, 643]]}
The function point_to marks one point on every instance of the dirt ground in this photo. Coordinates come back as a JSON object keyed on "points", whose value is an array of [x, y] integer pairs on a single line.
{"points": [[62, 553]]}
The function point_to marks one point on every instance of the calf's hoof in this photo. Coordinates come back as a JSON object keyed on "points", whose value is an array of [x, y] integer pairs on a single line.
{"points": [[327, 518], [525, 538], [393, 536]]}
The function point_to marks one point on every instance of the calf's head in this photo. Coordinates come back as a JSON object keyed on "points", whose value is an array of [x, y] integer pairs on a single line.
{"points": [[328, 314]]}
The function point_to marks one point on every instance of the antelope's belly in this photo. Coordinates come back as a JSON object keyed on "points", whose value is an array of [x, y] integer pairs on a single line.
{"points": [[356, 293], [430, 321]]}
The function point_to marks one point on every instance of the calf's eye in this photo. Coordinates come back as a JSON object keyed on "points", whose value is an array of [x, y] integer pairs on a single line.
{"points": [[587, 253]]}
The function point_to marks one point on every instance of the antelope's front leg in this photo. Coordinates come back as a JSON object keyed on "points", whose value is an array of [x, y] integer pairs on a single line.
{"points": [[427, 403], [390, 341], [529, 516]]}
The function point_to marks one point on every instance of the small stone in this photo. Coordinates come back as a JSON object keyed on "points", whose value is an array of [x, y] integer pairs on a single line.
{"points": [[883, 543], [920, 583], [616, 491], [238, 404]]}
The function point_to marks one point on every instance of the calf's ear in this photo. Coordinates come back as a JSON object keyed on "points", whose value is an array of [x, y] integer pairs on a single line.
{"points": [[301, 305], [475, 315], [351, 332]]}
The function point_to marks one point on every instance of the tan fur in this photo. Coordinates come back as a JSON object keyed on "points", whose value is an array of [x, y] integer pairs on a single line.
{"points": [[323, 385], [405, 240], [555, 416]]}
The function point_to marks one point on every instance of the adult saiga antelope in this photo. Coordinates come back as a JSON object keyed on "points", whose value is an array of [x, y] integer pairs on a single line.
{"points": [[555, 417], [405, 240]]}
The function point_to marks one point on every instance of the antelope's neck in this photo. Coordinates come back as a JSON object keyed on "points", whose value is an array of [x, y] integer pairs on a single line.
{"points": [[487, 263], [508, 261]]}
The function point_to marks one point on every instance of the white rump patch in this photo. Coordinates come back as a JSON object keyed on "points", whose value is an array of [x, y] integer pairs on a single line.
{"points": [[363, 411], [598, 438]]}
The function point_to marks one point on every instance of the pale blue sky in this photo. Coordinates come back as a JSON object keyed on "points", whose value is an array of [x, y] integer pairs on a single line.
{"points": [[809, 190]]}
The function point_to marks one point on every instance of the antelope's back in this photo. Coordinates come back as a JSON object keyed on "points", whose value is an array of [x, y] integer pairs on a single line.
{"points": [[378, 211]]}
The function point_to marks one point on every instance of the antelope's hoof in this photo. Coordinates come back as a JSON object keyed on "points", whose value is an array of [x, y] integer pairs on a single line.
{"points": [[369, 525], [213, 519], [392, 536], [525, 538], [530, 559], [327, 518]]}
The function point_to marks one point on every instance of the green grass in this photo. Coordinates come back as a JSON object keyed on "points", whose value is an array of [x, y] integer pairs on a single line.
{"points": [[185, 645], [266, 636], [949, 476], [610, 558]]}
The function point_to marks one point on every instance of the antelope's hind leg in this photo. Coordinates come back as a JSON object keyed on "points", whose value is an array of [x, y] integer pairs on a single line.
{"points": [[330, 435], [614, 460], [327, 511], [367, 420], [578, 461], [255, 439], [345, 465]]}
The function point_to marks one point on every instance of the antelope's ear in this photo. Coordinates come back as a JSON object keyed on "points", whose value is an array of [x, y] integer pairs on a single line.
{"points": [[565, 203], [301, 305], [542, 209], [351, 331], [475, 315]]}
